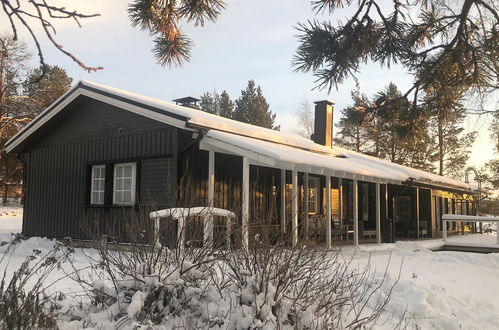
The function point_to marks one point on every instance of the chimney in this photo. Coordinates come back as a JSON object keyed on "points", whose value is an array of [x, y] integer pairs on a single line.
{"points": [[189, 101], [323, 127]]}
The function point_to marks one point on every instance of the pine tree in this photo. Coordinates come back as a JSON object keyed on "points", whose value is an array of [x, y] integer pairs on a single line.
{"points": [[42, 92], [354, 125], [456, 39], [210, 102], [398, 135], [218, 104], [225, 105], [447, 116], [252, 108]]}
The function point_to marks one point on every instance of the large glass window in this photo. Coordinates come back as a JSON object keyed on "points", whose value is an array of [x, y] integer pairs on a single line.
{"points": [[98, 184], [313, 195], [124, 184]]}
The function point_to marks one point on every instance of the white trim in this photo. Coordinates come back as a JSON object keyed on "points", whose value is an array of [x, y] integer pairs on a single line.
{"points": [[70, 96], [283, 200], [208, 220], [305, 201], [294, 207], [355, 212], [245, 203], [328, 212], [92, 186], [378, 213], [133, 188]]}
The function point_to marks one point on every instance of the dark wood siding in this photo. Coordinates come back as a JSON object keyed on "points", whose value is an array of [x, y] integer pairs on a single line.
{"points": [[58, 165]]}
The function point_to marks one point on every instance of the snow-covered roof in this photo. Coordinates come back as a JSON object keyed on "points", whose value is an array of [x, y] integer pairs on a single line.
{"points": [[264, 146], [352, 165]]}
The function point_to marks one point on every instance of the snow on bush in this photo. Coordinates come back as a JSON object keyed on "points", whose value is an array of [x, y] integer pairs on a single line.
{"points": [[264, 287], [24, 302]]}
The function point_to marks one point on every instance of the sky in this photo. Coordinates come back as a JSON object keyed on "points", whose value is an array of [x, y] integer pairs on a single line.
{"points": [[250, 40]]}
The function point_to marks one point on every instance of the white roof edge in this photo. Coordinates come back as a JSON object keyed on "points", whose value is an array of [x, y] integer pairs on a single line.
{"points": [[70, 96], [196, 118]]}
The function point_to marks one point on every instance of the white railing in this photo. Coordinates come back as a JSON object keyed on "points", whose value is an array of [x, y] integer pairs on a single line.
{"points": [[467, 218], [182, 214]]}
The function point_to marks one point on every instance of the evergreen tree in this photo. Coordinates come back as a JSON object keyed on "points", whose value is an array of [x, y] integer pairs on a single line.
{"points": [[456, 39], [392, 131], [252, 108], [399, 136], [42, 92], [225, 105], [354, 125], [447, 116], [218, 104], [210, 102]]}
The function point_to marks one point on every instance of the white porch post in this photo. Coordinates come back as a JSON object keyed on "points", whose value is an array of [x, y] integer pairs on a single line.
{"points": [[340, 203], [355, 212], [294, 208], [378, 213], [208, 220], [245, 203], [306, 198], [417, 213], [283, 201], [328, 211]]}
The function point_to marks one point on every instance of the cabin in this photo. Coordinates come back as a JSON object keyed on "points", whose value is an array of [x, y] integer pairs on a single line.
{"points": [[100, 155]]}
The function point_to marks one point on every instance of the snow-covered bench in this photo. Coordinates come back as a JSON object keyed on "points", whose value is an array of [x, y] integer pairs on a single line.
{"points": [[181, 214]]}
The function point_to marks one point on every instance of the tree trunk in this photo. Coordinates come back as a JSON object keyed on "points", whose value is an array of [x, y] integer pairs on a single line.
{"points": [[5, 194]]}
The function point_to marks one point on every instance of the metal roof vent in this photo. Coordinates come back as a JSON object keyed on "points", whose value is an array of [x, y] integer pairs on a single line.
{"points": [[189, 101]]}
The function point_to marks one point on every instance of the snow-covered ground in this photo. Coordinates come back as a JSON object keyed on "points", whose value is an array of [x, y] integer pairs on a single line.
{"points": [[439, 290], [10, 222]]}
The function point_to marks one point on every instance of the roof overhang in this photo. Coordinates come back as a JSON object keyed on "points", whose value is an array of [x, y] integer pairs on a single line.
{"points": [[82, 90], [255, 157]]}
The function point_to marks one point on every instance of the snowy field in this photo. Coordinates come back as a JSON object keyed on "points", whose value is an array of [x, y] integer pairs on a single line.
{"points": [[10, 222], [438, 290]]}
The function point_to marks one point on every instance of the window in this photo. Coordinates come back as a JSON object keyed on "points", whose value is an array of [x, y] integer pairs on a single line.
{"points": [[124, 184], [98, 184], [313, 195]]}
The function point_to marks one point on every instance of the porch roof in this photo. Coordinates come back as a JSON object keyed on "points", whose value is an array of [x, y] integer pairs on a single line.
{"points": [[351, 165]]}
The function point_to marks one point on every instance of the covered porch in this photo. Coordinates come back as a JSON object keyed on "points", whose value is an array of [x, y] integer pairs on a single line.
{"points": [[314, 199]]}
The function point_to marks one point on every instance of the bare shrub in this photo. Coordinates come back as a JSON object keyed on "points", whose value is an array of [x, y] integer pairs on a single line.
{"points": [[303, 288], [155, 277], [24, 301]]}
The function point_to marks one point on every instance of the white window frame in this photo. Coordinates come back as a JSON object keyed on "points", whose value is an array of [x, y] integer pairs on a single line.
{"points": [[93, 188], [133, 187], [314, 184]]}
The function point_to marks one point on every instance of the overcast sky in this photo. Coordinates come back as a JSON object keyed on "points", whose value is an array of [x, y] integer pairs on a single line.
{"points": [[251, 40]]}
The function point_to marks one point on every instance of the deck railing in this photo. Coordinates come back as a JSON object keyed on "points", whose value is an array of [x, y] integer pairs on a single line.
{"points": [[467, 218]]}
